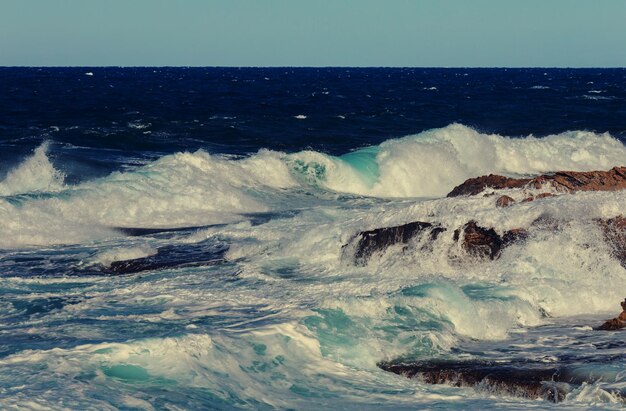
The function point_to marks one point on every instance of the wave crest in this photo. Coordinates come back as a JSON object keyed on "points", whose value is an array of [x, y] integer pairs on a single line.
{"points": [[35, 174]]}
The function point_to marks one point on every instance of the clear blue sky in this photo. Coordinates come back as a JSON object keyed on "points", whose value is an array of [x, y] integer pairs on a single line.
{"points": [[573, 33]]}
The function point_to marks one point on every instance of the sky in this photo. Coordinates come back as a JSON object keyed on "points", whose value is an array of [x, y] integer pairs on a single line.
{"points": [[407, 33]]}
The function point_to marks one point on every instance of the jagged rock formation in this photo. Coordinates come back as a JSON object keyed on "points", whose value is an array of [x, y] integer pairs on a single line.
{"points": [[563, 181], [527, 380], [477, 241], [477, 185], [485, 242], [378, 240], [614, 230], [616, 323], [523, 378]]}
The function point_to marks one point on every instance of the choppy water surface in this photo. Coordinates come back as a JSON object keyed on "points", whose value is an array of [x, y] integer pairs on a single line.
{"points": [[232, 193]]}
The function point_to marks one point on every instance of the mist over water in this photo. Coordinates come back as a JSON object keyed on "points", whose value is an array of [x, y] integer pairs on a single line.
{"points": [[247, 297]]}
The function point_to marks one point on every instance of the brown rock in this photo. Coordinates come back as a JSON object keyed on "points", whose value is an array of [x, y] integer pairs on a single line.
{"points": [[476, 185], [616, 323], [485, 242], [568, 181], [537, 197], [479, 241], [504, 201], [564, 181]]}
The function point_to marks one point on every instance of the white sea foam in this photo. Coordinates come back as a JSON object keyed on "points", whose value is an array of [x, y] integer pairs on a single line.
{"points": [[35, 174]]}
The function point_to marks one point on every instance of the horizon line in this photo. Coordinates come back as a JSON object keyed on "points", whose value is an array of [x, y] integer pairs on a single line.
{"points": [[314, 67]]}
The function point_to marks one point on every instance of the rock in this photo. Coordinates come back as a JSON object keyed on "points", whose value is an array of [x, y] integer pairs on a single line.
{"points": [[546, 222], [479, 241], [563, 181], [533, 380], [537, 197], [477, 185], [484, 242], [379, 239], [614, 230], [516, 235], [201, 254], [569, 181], [504, 201], [616, 323]]}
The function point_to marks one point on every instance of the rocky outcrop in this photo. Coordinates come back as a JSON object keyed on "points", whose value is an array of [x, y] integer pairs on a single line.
{"points": [[616, 323], [477, 185], [537, 197], [477, 241], [484, 242], [379, 239], [562, 181], [569, 181], [522, 379], [173, 256], [614, 231]]}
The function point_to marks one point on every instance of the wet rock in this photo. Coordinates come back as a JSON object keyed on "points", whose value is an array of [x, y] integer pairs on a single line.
{"points": [[516, 235], [537, 197], [378, 240], [522, 379], [546, 222], [173, 256], [504, 201], [614, 231], [484, 242], [477, 185], [616, 323], [479, 241], [563, 181]]}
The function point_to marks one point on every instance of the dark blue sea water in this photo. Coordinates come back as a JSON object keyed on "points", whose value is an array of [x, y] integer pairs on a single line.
{"points": [[172, 238]]}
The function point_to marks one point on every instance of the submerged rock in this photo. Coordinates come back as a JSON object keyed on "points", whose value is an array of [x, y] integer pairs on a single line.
{"points": [[173, 256], [616, 323], [378, 240], [520, 378], [525, 379], [614, 231], [563, 181], [504, 201], [537, 197]]}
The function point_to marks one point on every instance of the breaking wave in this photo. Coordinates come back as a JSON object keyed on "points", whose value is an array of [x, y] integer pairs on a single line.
{"points": [[190, 189]]}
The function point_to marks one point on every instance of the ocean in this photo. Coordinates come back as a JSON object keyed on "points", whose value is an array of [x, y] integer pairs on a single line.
{"points": [[183, 238]]}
